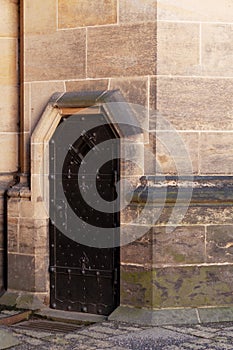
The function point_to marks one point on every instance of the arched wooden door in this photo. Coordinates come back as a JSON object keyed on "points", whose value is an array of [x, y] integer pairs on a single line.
{"points": [[84, 272]]}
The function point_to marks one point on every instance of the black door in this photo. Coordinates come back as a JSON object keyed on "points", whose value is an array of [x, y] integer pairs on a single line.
{"points": [[84, 236]]}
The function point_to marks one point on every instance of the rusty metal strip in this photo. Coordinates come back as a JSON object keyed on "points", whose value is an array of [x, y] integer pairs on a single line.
{"points": [[13, 319]]}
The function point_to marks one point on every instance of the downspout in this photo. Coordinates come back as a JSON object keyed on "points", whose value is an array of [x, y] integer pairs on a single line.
{"points": [[23, 176]]}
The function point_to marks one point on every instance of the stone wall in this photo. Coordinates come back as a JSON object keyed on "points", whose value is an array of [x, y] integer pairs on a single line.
{"points": [[170, 57], [8, 106], [191, 262]]}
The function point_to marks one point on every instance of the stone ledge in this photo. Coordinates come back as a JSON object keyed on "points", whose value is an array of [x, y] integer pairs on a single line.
{"points": [[172, 316], [20, 300]]}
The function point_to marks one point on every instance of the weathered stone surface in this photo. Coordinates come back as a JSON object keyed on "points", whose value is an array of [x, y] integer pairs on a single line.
{"points": [[87, 85], [199, 10], [179, 156], [21, 273], [9, 18], [216, 155], [8, 74], [217, 50], [8, 108], [8, 340], [140, 250], [219, 244], [178, 48], [55, 56], [27, 107], [193, 286], [150, 160], [134, 90], [131, 50], [12, 234], [179, 245], [39, 97], [153, 94], [26, 208], [8, 141], [72, 13], [40, 16], [132, 159], [194, 103], [136, 286], [198, 215], [42, 269], [32, 236], [13, 207], [132, 11]]}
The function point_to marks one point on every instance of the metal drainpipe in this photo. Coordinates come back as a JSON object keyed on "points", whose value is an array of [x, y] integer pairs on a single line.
{"points": [[22, 160]]}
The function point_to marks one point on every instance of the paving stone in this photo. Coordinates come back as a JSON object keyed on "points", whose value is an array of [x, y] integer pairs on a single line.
{"points": [[99, 344], [93, 334], [84, 347], [7, 340], [131, 329], [192, 331], [33, 334], [118, 348], [207, 329], [75, 336], [108, 330], [224, 346], [33, 341]]}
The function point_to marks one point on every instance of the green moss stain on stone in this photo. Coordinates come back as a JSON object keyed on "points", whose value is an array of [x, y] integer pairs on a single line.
{"points": [[192, 286], [136, 288], [169, 287]]}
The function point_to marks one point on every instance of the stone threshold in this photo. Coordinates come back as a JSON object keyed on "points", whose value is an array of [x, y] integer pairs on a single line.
{"points": [[69, 317], [172, 316]]}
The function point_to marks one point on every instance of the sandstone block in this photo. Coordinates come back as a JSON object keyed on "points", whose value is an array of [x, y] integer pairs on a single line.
{"points": [[192, 286], [182, 245], [8, 73], [21, 272], [9, 108], [12, 234], [178, 48], [134, 90], [136, 286], [72, 13], [32, 236], [194, 103], [216, 153], [140, 250], [219, 248], [217, 49], [132, 11], [87, 85], [55, 56], [180, 156], [131, 50], [153, 94], [8, 159], [198, 10], [40, 16], [190, 215], [9, 18], [40, 95]]}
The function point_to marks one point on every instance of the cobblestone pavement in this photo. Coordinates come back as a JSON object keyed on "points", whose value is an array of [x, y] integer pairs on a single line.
{"points": [[121, 336]]}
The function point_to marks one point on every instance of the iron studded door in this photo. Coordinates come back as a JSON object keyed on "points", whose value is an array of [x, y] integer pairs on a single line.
{"points": [[84, 239]]}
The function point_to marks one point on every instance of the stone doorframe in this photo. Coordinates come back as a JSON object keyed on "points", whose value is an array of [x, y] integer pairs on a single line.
{"points": [[28, 215]]}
